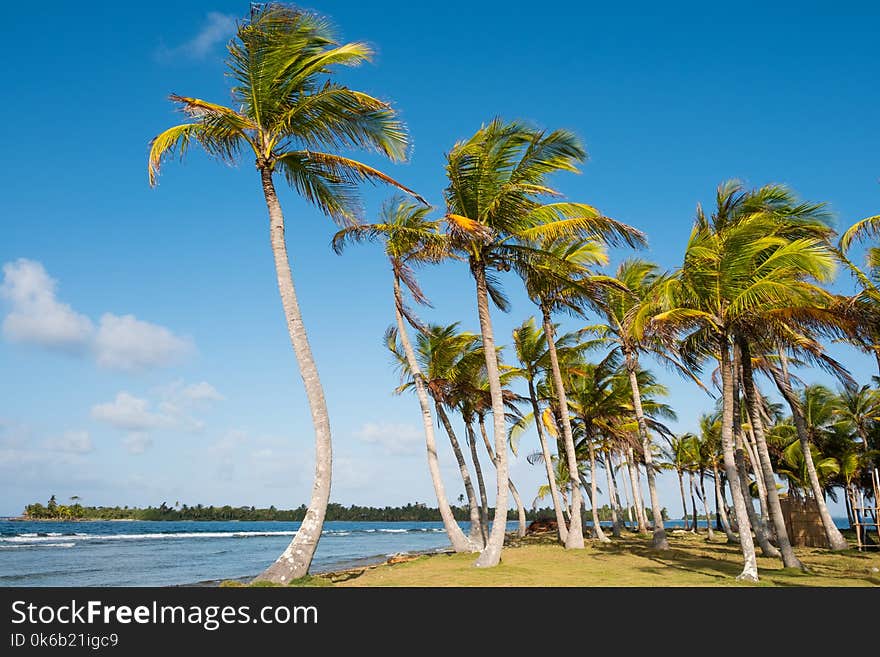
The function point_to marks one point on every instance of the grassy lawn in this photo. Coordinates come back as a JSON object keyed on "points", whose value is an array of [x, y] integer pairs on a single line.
{"points": [[628, 561]]}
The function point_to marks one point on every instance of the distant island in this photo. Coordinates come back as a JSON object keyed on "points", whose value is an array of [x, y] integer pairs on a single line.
{"points": [[412, 512]]}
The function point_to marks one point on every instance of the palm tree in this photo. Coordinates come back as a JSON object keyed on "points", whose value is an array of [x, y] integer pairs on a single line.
{"points": [[411, 238], [438, 350], [496, 183], [860, 409], [682, 456], [864, 306], [627, 311], [289, 111], [710, 449], [752, 257], [782, 379], [530, 344]]}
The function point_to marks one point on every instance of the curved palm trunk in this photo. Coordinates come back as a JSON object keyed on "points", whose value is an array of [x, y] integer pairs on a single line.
{"points": [[456, 536], [612, 496], [594, 497], [296, 559], [520, 507], [481, 485], [789, 559], [750, 562], [836, 541], [750, 446], [575, 538], [636, 484], [548, 465], [475, 535], [684, 508], [706, 504], [720, 507], [695, 528], [659, 540], [491, 555]]}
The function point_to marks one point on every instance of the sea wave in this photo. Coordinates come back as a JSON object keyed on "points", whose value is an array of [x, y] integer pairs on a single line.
{"points": [[30, 538], [14, 546]]}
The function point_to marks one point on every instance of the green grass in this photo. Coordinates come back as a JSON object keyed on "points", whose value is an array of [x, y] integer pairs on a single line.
{"points": [[628, 561]]}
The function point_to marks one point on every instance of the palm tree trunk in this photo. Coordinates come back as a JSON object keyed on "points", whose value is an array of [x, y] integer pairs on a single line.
{"points": [[520, 508], [750, 445], [835, 539], [575, 538], [612, 496], [481, 485], [684, 507], [548, 465], [695, 528], [789, 559], [475, 535], [720, 507], [459, 541], [491, 555], [629, 519], [706, 504], [750, 562], [848, 504], [659, 540], [594, 497], [296, 559], [636, 484]]}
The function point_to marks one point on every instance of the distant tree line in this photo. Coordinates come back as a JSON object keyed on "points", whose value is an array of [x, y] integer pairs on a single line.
{"points": [[412, 512]]}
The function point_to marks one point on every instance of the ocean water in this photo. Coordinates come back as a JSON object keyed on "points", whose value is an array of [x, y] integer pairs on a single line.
{"points": [[135, 553]]}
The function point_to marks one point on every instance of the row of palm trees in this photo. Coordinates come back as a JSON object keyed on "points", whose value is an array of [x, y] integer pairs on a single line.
{"points": [[757, 262]]}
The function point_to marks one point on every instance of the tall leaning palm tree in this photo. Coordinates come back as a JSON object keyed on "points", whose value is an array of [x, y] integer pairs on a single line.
{"points": [[438, 351], [530, 345], [289, 113], [411, 238], [495, 207]]}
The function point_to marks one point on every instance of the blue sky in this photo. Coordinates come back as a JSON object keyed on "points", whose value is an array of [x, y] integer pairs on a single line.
{"points": [[143, 345]]}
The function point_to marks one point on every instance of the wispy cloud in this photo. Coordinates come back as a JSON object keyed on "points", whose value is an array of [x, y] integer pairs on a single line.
{"points": [[117, 342], [217, 28], [395, 439], [174, 408]]}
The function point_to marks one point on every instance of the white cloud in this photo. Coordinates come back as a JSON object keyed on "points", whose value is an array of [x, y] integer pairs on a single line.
{"points": [[139, 416], [128, 412], [394, 438], [137, 442], [203, 391], [217, 28], [127, 343], [37, 317], [72, 442]]}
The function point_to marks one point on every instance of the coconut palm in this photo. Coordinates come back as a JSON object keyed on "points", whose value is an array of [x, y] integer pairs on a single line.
{"points": [[410, 238], [682, 456], [601, 400], [782, 379], [530, 345], [497, 181], [556, 272], [289, 114], [626, 310], [710, 449], [859, 408], [438, 350], [751, 257]]}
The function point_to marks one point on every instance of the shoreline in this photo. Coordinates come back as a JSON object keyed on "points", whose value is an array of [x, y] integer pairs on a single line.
{"points": [[337, 572]]}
